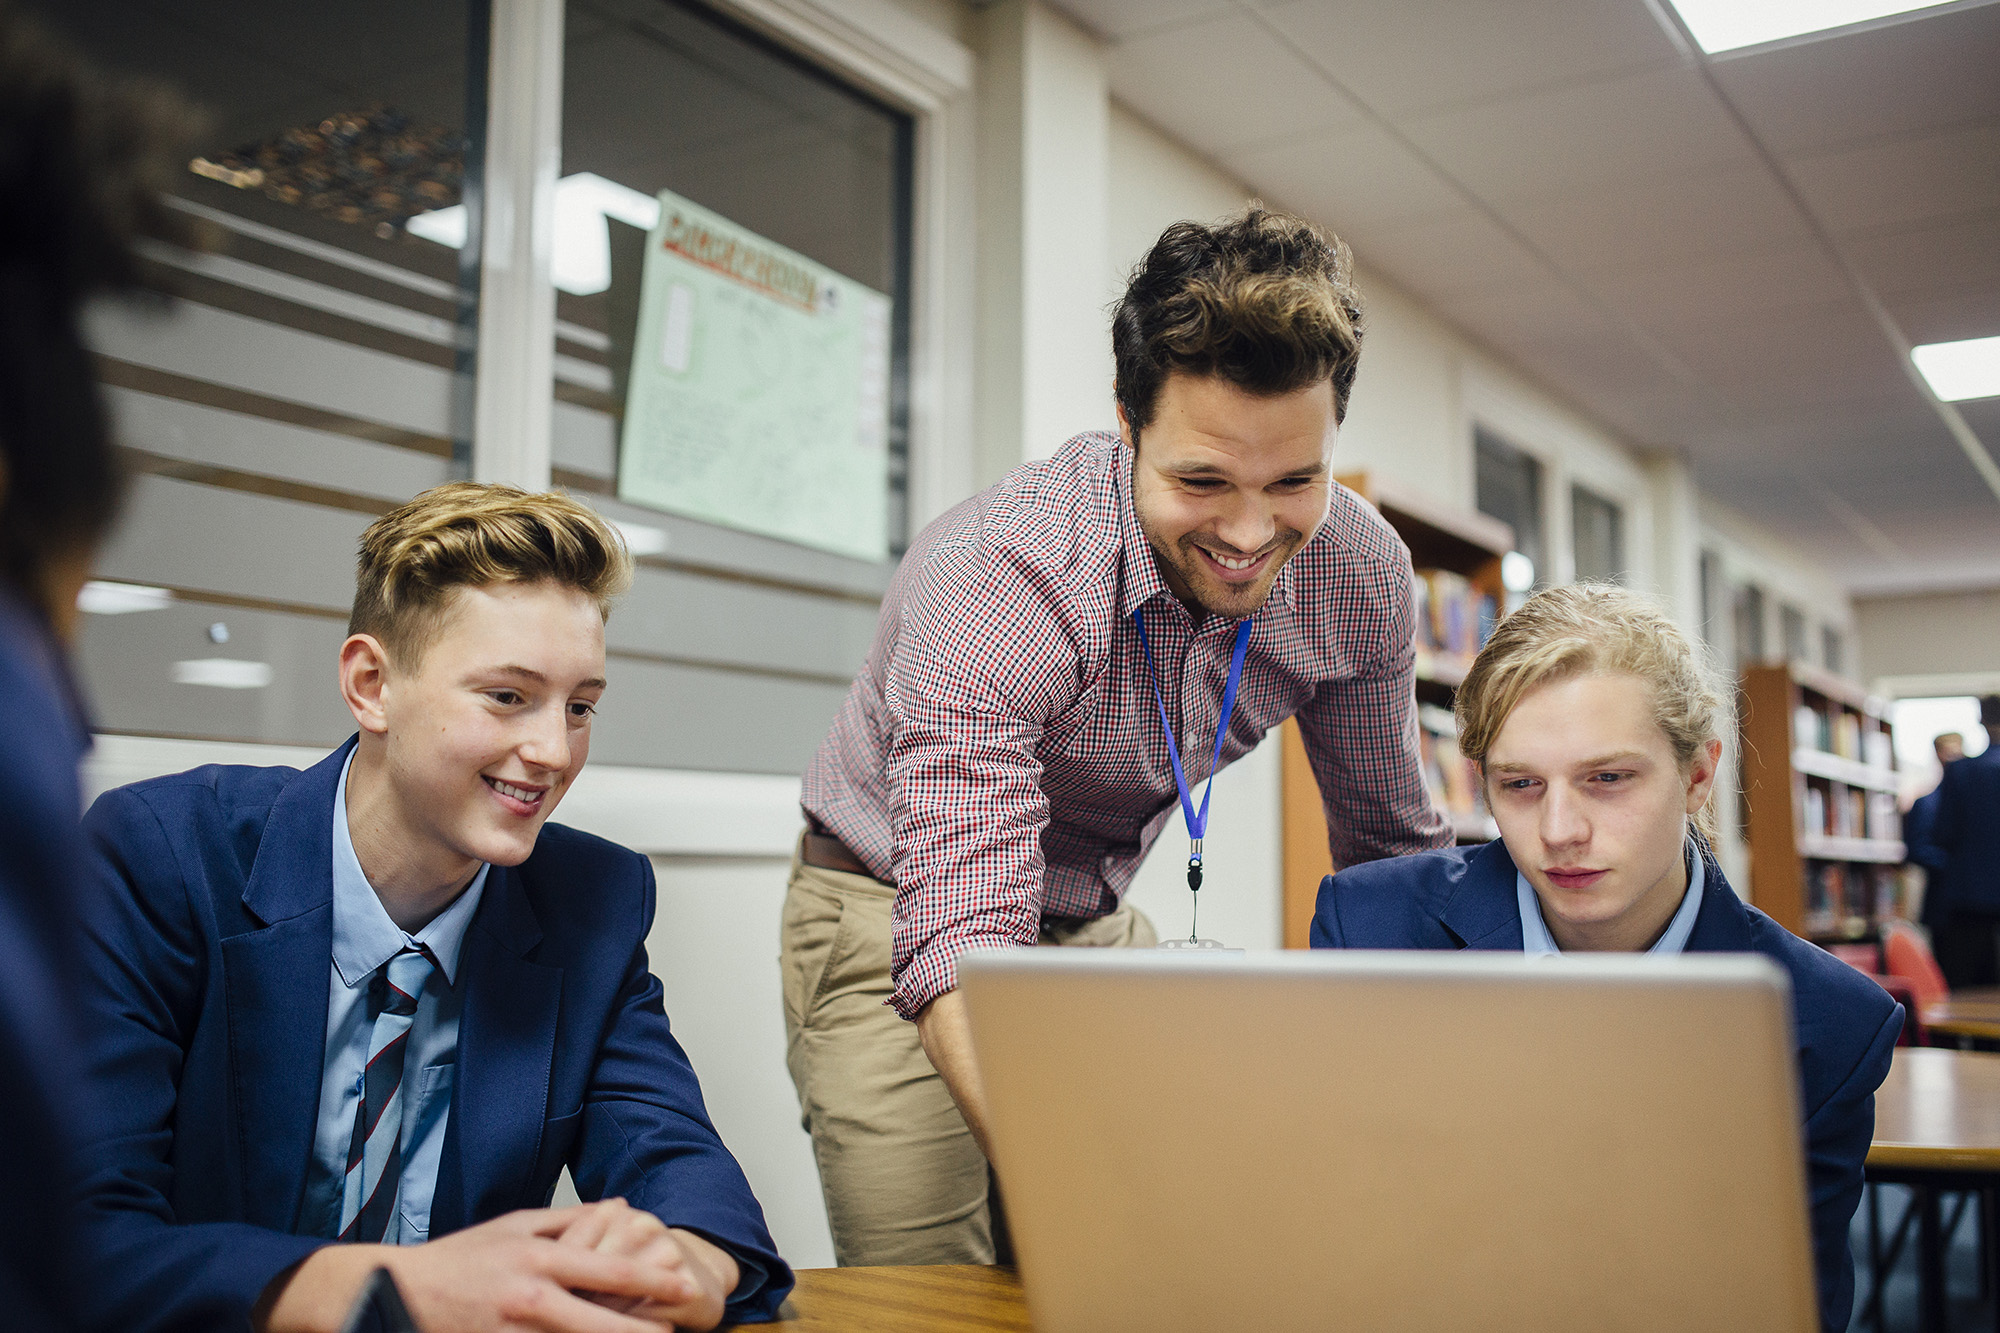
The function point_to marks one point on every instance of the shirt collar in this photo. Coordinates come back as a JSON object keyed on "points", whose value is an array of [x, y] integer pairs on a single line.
{"points": [[364, 937], [1139, 568], [1535, 937]]}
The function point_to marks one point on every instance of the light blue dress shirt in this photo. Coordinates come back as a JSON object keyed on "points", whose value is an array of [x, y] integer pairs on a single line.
{"points": [[1535, 937], [364, 938]]}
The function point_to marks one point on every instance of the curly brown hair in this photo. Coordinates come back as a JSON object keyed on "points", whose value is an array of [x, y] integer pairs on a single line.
{"points": [[1265, 300]]}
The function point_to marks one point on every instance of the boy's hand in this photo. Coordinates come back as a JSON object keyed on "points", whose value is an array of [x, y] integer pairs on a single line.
{"points": [[613, 1226], [513, 1274]]}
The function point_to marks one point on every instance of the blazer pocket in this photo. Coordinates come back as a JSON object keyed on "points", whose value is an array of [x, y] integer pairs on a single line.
{"points": [[558, 1137]]}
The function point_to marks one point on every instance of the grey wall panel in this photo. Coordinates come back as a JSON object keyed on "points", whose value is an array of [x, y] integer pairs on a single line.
{"points": [[268, 448], [225, 348], [729, 551], [683, 615], [654, 715], [185, 535], [686, 717], [127, 668], [584, 440]]}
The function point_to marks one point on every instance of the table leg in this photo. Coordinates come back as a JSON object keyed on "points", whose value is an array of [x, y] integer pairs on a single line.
{"points": [[1930, 1262], [1873, 1311]]}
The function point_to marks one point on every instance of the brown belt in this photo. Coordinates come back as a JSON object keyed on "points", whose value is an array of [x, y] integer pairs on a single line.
{"points": [[823, 851]]}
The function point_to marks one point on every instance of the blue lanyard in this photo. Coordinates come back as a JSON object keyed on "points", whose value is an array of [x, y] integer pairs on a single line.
{"points": [[1197, 821]]}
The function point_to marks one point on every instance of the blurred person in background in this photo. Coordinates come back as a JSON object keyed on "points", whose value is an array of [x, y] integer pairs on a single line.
{"points": [[1917, 826], [80, 165], [1966, 833]]}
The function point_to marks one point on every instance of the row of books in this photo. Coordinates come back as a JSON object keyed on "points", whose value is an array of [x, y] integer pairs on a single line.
{"points": [[1841, 732], [1452, 615], [1451, 777], [1843, 899], [1852, 813]]}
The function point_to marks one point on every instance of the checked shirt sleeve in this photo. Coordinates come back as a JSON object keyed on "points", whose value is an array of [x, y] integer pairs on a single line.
{"points": [[1361, 737], [987, 658]]}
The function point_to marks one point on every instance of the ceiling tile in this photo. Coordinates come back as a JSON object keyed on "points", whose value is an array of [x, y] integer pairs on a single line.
{"points": [[1666, 220], [1440, 257], [1361, 178], [1124, 18], [1899, 181], [1224, 83], [1565, 140], [1412, 55], [1829, 356], [1903, 78], [1937, 259], [1726, 288], [1972, 311]]}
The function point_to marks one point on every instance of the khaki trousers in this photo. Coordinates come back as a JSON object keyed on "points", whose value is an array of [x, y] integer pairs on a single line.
{"points": [[904, 1181]]}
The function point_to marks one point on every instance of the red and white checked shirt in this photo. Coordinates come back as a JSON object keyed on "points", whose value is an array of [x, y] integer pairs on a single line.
{"points": [[1000, 757]]}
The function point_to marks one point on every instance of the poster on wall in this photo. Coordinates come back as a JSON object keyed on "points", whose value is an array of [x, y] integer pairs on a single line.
{"points": [[758, 396]]}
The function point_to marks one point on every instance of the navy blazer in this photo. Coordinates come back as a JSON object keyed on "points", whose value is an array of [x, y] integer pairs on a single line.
{"points": [[206, 964], [1846, 1024], [1918, 826], [1967, 830], [41, 879]]}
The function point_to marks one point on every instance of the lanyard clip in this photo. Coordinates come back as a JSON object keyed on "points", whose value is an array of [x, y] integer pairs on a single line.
{"points": [[1194, 866]]}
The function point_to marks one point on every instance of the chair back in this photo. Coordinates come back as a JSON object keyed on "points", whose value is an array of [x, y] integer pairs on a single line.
{"points": [[1906, 955]]}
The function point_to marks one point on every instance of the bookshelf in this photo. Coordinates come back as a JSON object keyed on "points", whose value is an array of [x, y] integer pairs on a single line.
{"points": [[1819, 804], [1457, 557]]}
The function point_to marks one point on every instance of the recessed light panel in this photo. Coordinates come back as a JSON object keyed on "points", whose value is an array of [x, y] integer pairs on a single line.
{"points": [[1725, 25], [1961, 370]]}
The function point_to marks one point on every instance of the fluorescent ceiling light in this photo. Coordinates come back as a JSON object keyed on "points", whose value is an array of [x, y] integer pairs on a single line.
{"points": [[1961, 370], [581, 264], [223, 673], [1725, 25], [99, 597]]}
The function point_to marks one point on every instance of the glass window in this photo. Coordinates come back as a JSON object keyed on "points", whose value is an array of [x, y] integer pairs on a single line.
{"points": [[1792, 630], [780, 162], [1832, 649], [1749, 615], [305, 382], [1597, 529], [1508, 485], [1712, 595]]}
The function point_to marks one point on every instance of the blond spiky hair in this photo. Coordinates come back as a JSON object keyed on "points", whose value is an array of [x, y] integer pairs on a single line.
{"points": [[469, 534]]}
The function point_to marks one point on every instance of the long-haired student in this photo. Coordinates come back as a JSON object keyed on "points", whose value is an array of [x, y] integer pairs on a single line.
{"points": [[1597, 732]]}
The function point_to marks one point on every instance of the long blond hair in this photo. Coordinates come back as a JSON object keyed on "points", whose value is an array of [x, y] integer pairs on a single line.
{"points": [[1595, 629]]}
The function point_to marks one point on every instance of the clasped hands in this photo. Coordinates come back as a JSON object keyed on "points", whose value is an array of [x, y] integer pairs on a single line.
{"points": [[603, 1267]]}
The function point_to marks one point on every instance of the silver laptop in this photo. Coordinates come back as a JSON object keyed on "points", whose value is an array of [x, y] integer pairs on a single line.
{"points": [[1391, 1141]]}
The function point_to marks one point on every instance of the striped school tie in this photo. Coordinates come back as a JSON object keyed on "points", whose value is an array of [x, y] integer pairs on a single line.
{"points": [[375, 1154]]}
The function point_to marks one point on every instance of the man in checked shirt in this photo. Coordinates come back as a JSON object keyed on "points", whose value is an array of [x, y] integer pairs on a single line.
{"points": [[1000, 766]]}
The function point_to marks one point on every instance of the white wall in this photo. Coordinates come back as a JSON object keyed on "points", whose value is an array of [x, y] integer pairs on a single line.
{"points": [[1931, 636]]}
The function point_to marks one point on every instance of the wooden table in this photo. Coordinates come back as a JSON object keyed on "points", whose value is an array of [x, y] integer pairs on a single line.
{"points": [[1965, 1015], [1937, 1127], [962, 1298]]}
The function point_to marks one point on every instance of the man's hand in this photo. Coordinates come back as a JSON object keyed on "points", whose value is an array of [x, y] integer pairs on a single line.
{"points": [[947, 1039], [613, 1226], [510, 1275]]}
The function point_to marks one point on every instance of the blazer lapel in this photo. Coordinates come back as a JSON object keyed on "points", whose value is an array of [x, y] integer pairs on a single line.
{"points": [[1483, 912], [1723, 923], [277, 979], [506, 1050]]}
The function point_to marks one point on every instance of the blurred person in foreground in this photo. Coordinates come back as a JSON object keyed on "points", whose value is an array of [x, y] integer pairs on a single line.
{"points": [[80, 162], [1597, 733], [1966, 835], [1917, 827]]}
